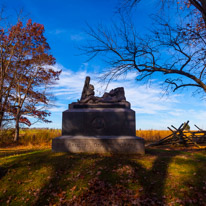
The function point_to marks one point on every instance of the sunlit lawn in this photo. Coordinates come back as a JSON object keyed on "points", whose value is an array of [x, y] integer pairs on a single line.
{"points": [[32, 176]]}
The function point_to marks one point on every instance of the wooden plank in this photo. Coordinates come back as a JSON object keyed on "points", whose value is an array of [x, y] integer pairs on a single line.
{"points": [[170, 129], [174, 127], [197, 127], [180, 126]]}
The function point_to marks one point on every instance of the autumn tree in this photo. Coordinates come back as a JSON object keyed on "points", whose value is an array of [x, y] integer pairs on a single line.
{"points": [[174, 49], [25, 73]]}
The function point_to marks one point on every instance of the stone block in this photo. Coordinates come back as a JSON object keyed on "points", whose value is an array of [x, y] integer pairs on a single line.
{"points": [[99, 121], [99, 144]]}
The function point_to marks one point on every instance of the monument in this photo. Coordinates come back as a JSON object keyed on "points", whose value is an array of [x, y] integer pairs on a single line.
{"points": [[99, 124]]}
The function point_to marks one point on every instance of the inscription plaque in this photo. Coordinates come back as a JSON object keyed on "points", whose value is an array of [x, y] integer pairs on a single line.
{"points": [[103, 144]]}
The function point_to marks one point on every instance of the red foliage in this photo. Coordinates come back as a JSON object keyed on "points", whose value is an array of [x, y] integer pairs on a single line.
{"points": [[24, 120], [26, 70]]}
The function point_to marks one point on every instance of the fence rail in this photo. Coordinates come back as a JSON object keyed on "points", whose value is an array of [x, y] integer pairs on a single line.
{"points": [[180, 136]]}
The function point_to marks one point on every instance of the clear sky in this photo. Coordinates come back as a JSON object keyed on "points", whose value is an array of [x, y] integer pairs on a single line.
{"points": [[65, 22]]}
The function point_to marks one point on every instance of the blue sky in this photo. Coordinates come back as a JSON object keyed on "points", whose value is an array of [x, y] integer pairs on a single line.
{"points": [[65, 22]]}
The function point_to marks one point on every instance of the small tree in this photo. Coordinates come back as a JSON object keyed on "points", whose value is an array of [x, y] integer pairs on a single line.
{"points": [[187, 127]]}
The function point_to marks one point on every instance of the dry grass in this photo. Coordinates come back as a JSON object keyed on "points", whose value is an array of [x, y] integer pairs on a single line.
{"points": [[152, 135], [44, 136], [38, 136], [30, 137]]}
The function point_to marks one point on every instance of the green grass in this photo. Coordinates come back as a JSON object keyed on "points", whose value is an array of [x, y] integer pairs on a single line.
{"points": [[30, 176]]}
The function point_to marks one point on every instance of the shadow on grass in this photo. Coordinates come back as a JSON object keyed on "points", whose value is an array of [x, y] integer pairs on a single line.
{"points": [[154, 183], [105, 185], [37, 161], [151, 181], [22, 169], [6, 153], [196, 184], [58, 184], [3, 172]]}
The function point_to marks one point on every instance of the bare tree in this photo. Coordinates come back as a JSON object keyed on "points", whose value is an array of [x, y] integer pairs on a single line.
{"points": [[196, 9], [176, 50]]}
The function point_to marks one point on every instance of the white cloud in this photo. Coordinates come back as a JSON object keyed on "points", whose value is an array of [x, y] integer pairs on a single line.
{"points": [[152, 110], [77, 37], [57, 31], [144, 100]]}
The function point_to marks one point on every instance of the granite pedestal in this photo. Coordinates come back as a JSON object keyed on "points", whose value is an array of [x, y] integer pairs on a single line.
{"points": [[99, 144], [99, 128]]}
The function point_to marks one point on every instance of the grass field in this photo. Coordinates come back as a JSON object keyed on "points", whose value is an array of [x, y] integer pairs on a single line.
{"points": [[37, 176], [31, 174]]}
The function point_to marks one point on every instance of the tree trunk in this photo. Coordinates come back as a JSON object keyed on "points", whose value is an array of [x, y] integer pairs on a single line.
{"points": [[1, 120], [16, 137]]}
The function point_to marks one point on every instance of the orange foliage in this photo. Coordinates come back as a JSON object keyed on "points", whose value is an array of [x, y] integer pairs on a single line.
{"points": [[25, 69]]}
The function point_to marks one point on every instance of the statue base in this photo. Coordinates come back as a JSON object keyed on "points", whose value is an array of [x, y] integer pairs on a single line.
{"points": [[99, 122], [99, 144]]}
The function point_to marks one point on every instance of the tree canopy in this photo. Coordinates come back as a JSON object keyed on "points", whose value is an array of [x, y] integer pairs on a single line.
{"points": [[25, 73]]}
